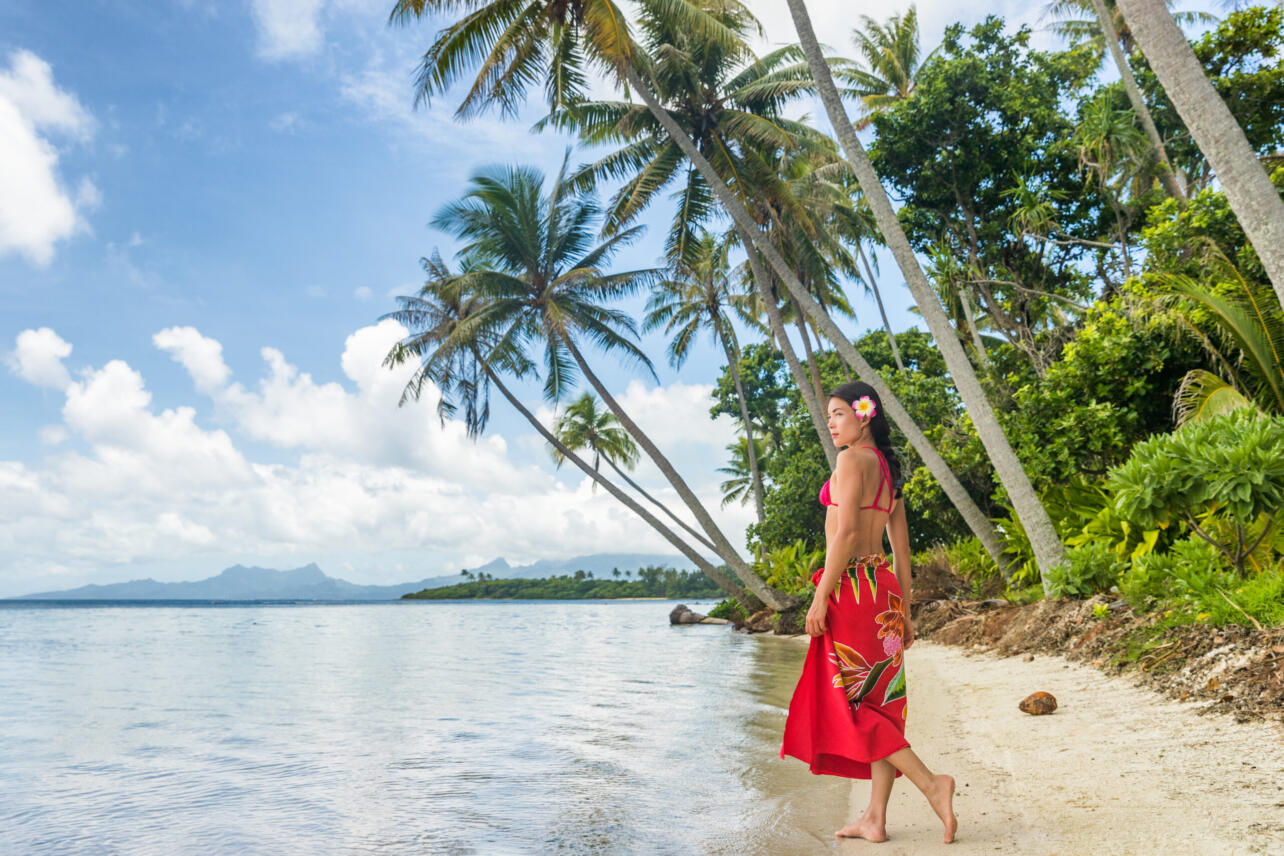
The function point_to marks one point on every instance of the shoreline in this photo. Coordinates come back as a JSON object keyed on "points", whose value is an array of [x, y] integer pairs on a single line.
{"points": [[1117, 769]]}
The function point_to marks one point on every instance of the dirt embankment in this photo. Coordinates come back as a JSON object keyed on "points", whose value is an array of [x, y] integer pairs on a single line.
{"points": [[1234, 670]]}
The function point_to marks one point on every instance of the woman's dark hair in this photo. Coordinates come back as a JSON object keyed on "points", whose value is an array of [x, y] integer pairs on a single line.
{"points": [[879, 427]]}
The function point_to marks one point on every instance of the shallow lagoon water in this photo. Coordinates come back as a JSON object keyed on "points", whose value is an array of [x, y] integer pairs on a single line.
{"points": [[399, 728]]}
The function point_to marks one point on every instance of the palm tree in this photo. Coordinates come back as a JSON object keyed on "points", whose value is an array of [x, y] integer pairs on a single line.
{"points": [[1239, 327], [583, 425], [1105, 28], [1249, 191], [462, 357], [1046, 544], [542, 281], [892, 62], [701, 298], [739, 485], [517, 44]]}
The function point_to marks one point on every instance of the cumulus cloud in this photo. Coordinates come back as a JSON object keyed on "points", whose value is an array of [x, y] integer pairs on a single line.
{"points": [[124, 481], [37, 358], [36, 209]]}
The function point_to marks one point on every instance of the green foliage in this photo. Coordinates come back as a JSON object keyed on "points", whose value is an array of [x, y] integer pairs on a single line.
{"points": [[730, 609], [1229, 465], [1086, 571], [1084, 513], [767, 386], [987, 128], [969, 560], [789, 568], [651, 582], [1100, 611], [1108, 390], [1195, 580], [1243, 57]]}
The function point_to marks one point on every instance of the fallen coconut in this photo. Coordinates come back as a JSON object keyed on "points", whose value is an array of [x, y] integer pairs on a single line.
{"points": [[1038, 703]]}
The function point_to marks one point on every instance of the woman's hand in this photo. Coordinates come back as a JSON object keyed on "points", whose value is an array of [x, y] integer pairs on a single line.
{"points": [[816, 618], [908, 639]]}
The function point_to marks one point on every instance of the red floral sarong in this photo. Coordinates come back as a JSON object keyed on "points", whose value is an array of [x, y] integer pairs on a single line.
{"points": [[849, 707]]}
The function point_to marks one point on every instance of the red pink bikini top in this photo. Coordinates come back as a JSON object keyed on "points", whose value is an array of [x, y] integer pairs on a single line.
{"points": [[884, 474]]}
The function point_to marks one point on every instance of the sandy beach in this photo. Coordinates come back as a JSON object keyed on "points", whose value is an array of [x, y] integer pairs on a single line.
{"points": [[1117, 769]]}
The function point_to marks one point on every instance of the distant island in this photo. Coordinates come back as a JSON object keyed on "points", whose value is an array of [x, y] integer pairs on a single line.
{"points": [[310, 583], [650, 582]]}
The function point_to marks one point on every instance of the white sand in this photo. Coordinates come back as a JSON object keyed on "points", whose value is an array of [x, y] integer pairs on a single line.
{"points": [[1118, 769]]}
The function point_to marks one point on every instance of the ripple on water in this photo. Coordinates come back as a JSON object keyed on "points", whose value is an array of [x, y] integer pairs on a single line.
{"points": [[380, 729]]}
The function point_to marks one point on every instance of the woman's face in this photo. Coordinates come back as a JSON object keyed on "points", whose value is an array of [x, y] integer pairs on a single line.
{"points": [[844, 425]]}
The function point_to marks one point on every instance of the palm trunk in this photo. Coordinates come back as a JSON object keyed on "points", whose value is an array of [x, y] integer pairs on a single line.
{"points": [[1249, 191], [878, 298], [813, 370], [755, 474], [777, 600], [660, 505], [1108, 32], [969, 321], [953, 488], [776, 320], [720, 579], [1046, 544]]}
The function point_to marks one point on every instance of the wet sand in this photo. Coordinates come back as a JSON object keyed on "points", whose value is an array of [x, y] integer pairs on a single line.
{"points": [[1117, 769]]}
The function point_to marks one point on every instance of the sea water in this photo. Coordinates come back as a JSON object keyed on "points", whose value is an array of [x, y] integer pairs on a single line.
{"points": [[393, 728]]}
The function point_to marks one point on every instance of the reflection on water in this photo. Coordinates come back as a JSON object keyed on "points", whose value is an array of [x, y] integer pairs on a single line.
{"points": [[398, 728]]}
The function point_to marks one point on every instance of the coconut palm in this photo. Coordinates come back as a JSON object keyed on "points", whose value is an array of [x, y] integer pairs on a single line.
{"points": [[533, 263], [701, 298], [583, 425], [462, 356], [1249, 191], [892, 62], [1240, 328], [739, 485], [1079, 22], [1046, 544], [1104, 27], [517, 44]]}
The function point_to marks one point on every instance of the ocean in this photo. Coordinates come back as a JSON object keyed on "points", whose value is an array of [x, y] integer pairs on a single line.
{"points": [[396, 728]]}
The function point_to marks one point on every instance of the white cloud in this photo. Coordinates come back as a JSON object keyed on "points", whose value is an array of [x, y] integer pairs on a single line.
{"points": [[36, 210], [361, 477], [316, 292], [287, 29], [28, 86], [202, 357], [363, 293], [37, 358]]}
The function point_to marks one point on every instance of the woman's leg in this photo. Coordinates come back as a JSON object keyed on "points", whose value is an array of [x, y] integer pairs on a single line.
{"points": [[873, 823], [939, 789]]}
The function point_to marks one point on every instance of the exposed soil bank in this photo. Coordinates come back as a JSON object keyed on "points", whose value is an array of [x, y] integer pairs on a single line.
{"points": [[1234, 670]]}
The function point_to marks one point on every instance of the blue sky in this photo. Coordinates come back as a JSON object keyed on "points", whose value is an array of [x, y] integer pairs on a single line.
{"points": [[251, 176]]}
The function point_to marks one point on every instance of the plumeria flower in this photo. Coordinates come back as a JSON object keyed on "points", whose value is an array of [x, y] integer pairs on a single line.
{"points": [[864, 407]]}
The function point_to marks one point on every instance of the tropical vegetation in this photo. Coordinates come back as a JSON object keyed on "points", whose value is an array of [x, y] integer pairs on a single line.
{"points": [[1095, 404]]}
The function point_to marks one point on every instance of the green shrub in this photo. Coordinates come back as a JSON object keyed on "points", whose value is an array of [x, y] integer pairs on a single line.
{"points": [[970, 561], [790, 568], [1087, 570], [1229, 465], [729, 609], [1195, 581]]}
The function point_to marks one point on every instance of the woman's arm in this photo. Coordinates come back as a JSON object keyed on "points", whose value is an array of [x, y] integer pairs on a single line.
{"points": [[844, 489], [898, 536]]}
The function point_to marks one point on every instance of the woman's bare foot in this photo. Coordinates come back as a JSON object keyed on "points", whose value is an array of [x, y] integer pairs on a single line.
{"points": [[941, 795], [866, 828]]}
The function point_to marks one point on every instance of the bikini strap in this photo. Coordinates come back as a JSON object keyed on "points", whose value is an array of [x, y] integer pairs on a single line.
{"points": [[884, 473]]}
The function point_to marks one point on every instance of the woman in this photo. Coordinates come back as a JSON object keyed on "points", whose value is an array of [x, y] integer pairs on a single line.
{"points": [[847, 716]]}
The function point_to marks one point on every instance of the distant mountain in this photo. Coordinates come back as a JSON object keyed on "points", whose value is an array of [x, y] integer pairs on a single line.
{"points": [[310, 583]]}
